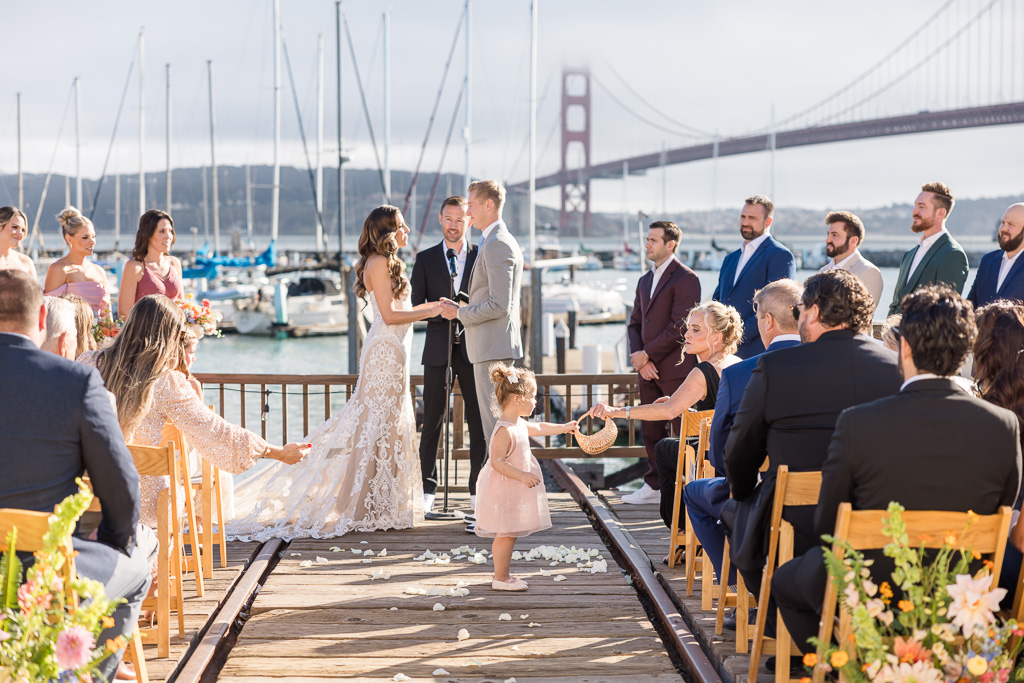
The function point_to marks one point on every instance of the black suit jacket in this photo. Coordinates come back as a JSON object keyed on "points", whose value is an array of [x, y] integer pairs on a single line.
{"points": [[789, 411], [431, 281], [930, 447], [658, 322], [57, 422]]}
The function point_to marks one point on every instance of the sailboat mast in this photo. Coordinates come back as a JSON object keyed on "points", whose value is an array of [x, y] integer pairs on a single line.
{"points": [[117, 210], [248, 204], [387, 107], [78, 144], [275, 204], [213, 164], [466, 131], [168, 137], [21, 184], [536, 312], [320, 242], [142, 123]]}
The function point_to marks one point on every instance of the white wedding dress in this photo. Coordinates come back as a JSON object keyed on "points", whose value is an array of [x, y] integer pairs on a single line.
{"points": [[363, 472]]}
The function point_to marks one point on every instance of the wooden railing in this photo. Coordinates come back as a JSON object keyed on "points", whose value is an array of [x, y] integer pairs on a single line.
{"points": [[283, 408]]}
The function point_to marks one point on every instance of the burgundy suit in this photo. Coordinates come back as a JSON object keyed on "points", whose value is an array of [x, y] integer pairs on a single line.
{"points": [[657, 326]]}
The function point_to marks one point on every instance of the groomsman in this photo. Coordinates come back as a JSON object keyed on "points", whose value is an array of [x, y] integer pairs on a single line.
{"points": [[938, 257], [759, 261], [842, 245], [999, 275], [432, 276], [664, 296]]}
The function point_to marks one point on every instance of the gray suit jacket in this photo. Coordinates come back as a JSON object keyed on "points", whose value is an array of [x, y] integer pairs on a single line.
{"points": [[491, 318], [868, 273]]}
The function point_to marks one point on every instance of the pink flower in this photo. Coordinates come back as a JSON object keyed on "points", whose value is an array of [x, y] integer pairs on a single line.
{"points": [[4, 635], [74, 647]]}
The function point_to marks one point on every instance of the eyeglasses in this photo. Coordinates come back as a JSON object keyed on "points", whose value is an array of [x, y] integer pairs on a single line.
{"points": [[896, 334], [796, 310]]}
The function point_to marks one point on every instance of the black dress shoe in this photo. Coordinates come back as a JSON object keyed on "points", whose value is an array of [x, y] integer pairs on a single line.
{"points": [[730, 619], [470, 528], [796, 666], [469, 517]]}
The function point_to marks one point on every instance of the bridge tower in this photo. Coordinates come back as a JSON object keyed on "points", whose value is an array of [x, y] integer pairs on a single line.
{"points": [[575, 150]]}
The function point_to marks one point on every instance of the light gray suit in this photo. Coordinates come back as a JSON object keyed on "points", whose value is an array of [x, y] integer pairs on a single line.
{"points": [[867, 271], [491, 318]]}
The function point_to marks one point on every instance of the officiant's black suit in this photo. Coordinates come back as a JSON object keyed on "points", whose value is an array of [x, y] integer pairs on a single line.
{"points": [[431, 280], [930, 447]]}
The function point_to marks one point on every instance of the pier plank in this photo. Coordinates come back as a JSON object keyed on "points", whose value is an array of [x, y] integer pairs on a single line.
{"points": [[331, 621]]}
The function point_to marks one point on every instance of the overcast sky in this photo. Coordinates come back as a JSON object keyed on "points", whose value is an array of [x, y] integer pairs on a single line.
{"points": [[719, 66]]}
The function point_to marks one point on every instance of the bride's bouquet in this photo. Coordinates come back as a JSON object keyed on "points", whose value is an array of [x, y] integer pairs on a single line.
{"points": [[200, 317]]}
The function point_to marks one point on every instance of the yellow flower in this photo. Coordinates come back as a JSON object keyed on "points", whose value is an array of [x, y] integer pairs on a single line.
{"points": [[950, 538], [839, 658], [810, 659], [905, 605], [977, 666]]}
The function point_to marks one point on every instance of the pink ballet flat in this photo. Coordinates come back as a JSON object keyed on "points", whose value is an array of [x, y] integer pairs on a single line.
{"points": [[511, 584]]}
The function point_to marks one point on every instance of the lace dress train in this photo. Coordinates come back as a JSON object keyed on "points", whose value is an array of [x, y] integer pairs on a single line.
{"points": [[363, 472]]}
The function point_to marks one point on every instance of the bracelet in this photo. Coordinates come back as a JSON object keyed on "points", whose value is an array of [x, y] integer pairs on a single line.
{"points": [[265, 453]]}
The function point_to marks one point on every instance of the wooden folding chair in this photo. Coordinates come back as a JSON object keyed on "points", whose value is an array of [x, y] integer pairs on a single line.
{"points": [[862, 529], [791, 489], [159, 461], [686, 471], [32, 527], [171, 433]]}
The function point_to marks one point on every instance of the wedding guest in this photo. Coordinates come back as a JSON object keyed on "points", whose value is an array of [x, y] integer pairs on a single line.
{"points": [[74, 272], [889, 339], [511, 484], [152, 269], [909, 448], [842, 245], [189, 344], [999, 275], [759, 261], [61, 333], [664, 296], [83, 323], [712, 332], [61, 416], [789, 410], [139, 367], [938, 257], [13, 228]]}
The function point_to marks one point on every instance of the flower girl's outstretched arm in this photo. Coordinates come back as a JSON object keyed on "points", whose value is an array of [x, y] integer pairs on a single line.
{"points": [[550, 428], [501, 448]]}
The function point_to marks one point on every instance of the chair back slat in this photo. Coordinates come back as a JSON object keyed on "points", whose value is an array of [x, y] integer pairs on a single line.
{"points": [[32, 526], [928, 528], [802, 488], [693, 420], [154, 461]]}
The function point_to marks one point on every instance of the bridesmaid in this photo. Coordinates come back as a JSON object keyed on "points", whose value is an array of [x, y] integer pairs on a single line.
{"points": [[152, 269], [13, 228], [74, 273]]}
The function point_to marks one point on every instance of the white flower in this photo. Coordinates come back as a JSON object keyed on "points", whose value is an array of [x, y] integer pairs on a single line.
{"points": [[886, 617], [973, 603], [875, 607], [852, 596], [918, 672], [869, 588]]}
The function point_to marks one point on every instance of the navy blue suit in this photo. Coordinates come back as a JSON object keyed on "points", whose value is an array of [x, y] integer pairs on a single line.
{"points": [[704, 498], [769, 263], [984, 291]]}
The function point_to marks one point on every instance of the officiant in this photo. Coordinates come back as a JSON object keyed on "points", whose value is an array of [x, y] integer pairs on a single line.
{"points": [[432, 279]]}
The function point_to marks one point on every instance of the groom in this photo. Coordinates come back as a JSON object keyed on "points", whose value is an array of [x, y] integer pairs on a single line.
{"points": [[491, 317]]}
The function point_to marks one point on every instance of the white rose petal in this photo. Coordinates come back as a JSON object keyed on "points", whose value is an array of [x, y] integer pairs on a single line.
{"points": [[383, 552], [592, 552], [532, 624], [295, 554], [364, 542], [504, 616], [471, 662], [393, 609], [412, 590], [524, 616], [516, 555], [545, 572], [367, 561], [463, 634], [438, 607], [334, 549], [321, 560], [478, 558], [459, 557], [441, 672], [560, 577], [400, 677], [444, 559], [511, 680], [516, 648], [368, 553], [357, 550], [306, 563]]}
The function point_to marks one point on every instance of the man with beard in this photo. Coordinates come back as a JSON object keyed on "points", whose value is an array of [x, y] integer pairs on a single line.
{"points": [[842, 241], [938, 257], [759, 261], [999, 275]]}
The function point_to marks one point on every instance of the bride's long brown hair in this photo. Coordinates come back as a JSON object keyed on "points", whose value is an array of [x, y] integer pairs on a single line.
{"points": [[378, 239]]}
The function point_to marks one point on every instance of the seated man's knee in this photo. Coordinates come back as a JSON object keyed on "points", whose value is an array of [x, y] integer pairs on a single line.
{"points": [[666, 453]]}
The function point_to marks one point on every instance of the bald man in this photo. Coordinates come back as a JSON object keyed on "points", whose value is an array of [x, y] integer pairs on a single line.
{"points": [[1000, 274]]}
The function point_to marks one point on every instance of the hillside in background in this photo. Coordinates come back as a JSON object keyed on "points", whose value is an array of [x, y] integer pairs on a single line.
{"points": [[363, 193]]}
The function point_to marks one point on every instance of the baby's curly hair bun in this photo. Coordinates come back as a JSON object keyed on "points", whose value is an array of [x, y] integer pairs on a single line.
{"points": [[511, 381]]}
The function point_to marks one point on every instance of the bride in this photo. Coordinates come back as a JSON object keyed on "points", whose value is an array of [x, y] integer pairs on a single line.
{"points": [[363, 472]]}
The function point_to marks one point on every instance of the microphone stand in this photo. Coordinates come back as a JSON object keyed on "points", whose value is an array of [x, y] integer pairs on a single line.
{"points": [[446, 513]]}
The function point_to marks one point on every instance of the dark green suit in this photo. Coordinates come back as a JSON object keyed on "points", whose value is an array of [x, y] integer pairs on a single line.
{"points": [[945, 262]]}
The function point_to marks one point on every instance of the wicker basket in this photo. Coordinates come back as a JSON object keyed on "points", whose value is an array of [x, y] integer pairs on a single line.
{"points": [[601, 441]]}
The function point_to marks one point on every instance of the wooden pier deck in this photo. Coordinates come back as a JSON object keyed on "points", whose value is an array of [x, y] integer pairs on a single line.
{"points": [[332, 621], [645, 524]]}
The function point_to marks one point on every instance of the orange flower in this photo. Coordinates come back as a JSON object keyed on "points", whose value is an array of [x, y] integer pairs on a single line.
{"points": [[839, 658], [108, 622], [886, 590], [972, 516], [975, 554], [116, 644], [810, 659], [910, 650], [950, 538], [989, 565], [925, 538], [905, 605]]}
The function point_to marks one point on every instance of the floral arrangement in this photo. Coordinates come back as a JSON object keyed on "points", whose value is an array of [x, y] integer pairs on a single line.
{"points": [[943, 626], [202, 319], [105, 328], [45, 633]]}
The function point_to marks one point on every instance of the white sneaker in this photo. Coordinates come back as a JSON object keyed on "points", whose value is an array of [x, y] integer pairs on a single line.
{"points": [[428, 502], [472, 503], [644, 496]]}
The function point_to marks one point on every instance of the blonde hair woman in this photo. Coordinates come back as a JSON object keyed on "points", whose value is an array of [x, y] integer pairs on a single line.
{"points": [[363, 473], [73, 272], [140, 369], [13, 228]]}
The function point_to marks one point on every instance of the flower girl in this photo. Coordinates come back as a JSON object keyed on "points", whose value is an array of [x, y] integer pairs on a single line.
{"points": [[511, 500]]}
